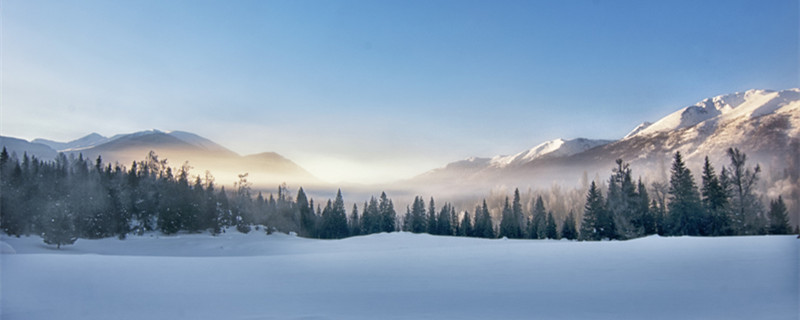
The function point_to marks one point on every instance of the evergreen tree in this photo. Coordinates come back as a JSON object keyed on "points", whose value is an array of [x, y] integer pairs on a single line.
{"points": [[59, 228], [484, 227], [568, 229], [684, 205], [355, 226], [509, 226], [746, 209], [537, 224], [466, 226], [306, 211], [388, 216], [622, 204], [418, 216], [443, 221], [516, 211], [432, 227], [715, 203], [778, 217], [647, 219], [592, 214], [551, 229]]}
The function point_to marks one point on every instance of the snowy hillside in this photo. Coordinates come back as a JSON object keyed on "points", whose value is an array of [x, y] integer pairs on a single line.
{"points": [[550, 149], [400, 276], [750, 104]]}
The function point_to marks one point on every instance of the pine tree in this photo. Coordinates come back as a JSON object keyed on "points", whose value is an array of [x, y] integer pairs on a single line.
{"points": [[355, 225], [684, 205], [592, 214], [715, 203], [443, 221], [306, 211], [778, 217], [516, 211], [647, 220], [59, 228], [388, 217], [622, 204], [509, 226], [537, 224], [466, 226], [418, 216], [432, 227], [568, 229], [551, 228], [483, 222]]}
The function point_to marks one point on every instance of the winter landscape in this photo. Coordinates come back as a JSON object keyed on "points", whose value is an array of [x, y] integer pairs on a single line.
{"points": [[400, 160]]}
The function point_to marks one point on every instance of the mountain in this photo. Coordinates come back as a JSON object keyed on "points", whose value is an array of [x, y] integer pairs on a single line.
{"points": [[90, 140], [178, 147], [21, 147], [550, 149], [765, 124]]}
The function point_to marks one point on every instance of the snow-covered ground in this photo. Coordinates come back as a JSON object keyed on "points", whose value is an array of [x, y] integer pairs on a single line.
{"points": [[399, 276]]}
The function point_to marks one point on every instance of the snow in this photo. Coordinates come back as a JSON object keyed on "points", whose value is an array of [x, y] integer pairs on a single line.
{"points": [[399, 276], [553, 148], [725, 108]]}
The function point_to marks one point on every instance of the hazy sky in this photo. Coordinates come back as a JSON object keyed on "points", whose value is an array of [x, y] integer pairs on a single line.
{"points": [[371, 91]]}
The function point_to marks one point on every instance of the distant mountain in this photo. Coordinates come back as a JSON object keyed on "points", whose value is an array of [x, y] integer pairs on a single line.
{"points": [[21, 147], [177, 147], [764, 124], [90, 140], [551, 149]]}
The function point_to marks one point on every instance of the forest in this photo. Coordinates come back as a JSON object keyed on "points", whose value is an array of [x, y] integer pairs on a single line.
{"points": [[73, 197]]}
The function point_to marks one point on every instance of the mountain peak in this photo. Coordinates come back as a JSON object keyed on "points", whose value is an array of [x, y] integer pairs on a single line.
{"points": [[753, 102], [549, 149]]}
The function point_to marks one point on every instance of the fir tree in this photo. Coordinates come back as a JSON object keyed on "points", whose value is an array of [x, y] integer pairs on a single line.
{"points": [[684, 205], [551, 229], [715, 203], [778, 218], [432, 227], [388, 217], [509, 226], [537, 224], [466, 226], [592, 214], [355, 225], [443, 221], [59, 227], [568, 229], [306, 211], [484, 227]]}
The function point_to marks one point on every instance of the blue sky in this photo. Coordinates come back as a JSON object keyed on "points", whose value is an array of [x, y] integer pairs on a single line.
{"points": [[371, 91]]}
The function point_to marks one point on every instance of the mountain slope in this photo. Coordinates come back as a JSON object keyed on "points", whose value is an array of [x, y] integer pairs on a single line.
{"points": [[87, 141], [21, 147], [762, 123]]}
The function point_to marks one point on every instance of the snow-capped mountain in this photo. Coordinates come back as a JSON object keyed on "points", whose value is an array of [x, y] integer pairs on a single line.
{"points": [[764, 124], [550, 149]]}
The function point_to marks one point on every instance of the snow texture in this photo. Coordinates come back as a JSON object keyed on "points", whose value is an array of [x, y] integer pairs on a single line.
{"points": [[550, 149], [400, 276]]}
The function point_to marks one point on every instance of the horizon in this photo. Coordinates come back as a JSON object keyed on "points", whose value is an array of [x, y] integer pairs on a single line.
{"points": [[363, 92]]}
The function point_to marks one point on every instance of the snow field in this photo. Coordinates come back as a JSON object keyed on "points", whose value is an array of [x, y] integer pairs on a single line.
{"points": [[400, 276]]}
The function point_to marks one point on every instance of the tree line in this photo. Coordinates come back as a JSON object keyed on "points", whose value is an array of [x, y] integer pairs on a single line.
{"points": [[73, 197]]}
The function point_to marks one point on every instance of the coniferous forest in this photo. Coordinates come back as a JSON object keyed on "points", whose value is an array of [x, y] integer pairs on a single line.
{"points": [[71, 198]]}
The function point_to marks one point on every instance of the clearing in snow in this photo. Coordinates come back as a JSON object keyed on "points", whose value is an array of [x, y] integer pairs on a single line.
{"points": [[399, 276]]}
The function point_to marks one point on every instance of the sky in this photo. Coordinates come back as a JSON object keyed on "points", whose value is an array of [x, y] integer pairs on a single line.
{"points": [[374, 91]]}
